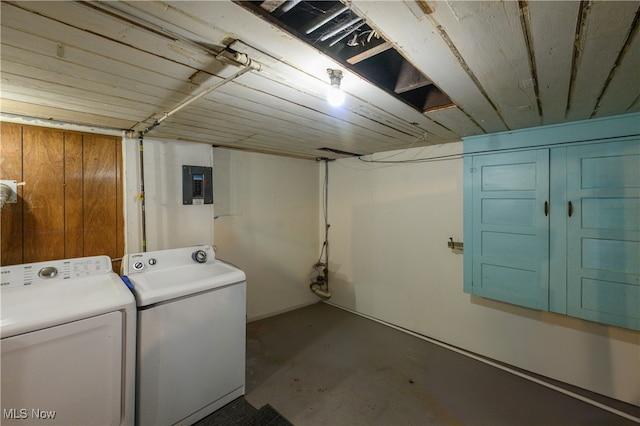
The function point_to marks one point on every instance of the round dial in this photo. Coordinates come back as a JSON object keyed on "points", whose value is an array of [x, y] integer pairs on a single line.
{"points": [[200, 256], [48, 272]]}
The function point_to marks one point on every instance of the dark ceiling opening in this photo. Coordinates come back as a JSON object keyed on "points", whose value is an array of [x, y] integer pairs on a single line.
{"points": [[338, 32]]}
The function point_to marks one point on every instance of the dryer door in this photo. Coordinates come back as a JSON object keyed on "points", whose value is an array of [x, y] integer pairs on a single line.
{"points": [[64, 375]]}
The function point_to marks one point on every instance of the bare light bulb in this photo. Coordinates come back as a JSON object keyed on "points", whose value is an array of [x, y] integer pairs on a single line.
{"points": [[335, 96]]}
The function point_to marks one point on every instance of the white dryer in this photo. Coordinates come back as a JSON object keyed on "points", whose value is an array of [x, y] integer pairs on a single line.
{"points": [[68, 344], [191, 333]]}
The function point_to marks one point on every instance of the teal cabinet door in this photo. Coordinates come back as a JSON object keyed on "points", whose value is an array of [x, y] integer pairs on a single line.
{"points": [[603, 233], [510, 227], [557, 227]]}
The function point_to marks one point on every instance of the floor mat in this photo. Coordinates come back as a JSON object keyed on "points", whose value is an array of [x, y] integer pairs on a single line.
{"points": [[268, 416], [240, 413]]}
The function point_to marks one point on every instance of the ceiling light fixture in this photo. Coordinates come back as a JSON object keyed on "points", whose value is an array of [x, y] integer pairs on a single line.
{"points": [[335, 95]]}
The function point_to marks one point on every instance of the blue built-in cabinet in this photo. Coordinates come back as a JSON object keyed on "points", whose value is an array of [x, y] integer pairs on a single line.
{"points": [[552, 218]]}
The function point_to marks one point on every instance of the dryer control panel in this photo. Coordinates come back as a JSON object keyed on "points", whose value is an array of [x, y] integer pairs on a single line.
{"points": [[53, 271]]}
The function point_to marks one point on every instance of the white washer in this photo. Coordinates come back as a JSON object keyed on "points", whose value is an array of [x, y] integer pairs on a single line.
{"points": [[191, 333], [68, 344]]}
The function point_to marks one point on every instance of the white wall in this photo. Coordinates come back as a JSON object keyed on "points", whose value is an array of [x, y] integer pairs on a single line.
{"points": [[389, 257], [389, 260], [266, 208], [267, 223], [169, 223]]}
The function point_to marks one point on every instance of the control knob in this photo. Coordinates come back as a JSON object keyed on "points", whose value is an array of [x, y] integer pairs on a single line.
{"points": [[200, 256], [48, 272]]}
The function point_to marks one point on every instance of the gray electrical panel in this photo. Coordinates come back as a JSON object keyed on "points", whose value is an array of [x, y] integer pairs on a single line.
{"points": [[197, 187]]}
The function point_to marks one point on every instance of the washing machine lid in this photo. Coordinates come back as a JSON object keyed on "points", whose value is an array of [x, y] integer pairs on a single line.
{"points": [[159, 276], [34, 296]]}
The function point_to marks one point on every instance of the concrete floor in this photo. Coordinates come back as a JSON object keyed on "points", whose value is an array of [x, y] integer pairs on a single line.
{"points": [[321, 365]]}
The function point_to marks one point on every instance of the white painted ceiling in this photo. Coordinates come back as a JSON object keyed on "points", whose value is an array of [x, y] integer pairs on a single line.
{"points": [[505, 65]]}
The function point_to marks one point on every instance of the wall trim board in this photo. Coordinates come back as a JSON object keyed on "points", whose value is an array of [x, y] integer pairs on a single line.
{"points": [[596, 129], [33, 121]]}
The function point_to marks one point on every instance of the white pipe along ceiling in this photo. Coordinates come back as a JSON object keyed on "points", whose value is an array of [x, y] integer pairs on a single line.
{"points": [[240, 58], [415, 72]]}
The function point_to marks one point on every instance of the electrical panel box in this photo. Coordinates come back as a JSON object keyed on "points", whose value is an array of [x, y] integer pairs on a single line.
{"points": [[197, 185]]}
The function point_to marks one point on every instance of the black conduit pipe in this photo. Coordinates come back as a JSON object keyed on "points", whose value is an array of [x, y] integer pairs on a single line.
{"points": [[326, 223]]}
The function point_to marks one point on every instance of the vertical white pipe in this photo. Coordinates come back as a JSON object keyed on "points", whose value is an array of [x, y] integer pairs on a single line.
{"points": [[142, 195]]}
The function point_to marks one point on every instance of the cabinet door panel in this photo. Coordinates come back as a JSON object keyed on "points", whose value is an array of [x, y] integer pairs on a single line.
{"points": [[510, 229], [520, 176], [508, 245], [609, 171], [509, 212], [611, 213], [607, 296], [603, 234]]}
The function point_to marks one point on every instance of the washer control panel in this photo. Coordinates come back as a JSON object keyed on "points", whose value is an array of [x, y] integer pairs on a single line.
{"points": [[160, 260], [53, 271]]}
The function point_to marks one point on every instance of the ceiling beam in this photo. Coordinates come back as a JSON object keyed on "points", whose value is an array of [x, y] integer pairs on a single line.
{"points": [[410, 78], [382, 47], [271, 5]]}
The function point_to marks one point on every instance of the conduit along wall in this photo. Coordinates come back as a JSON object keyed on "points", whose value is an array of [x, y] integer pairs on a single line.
{"points": [[226, 56], [320, 283]]}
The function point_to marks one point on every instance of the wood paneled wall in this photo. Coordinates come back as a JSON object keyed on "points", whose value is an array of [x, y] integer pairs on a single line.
{"points": [[71, 202]]}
